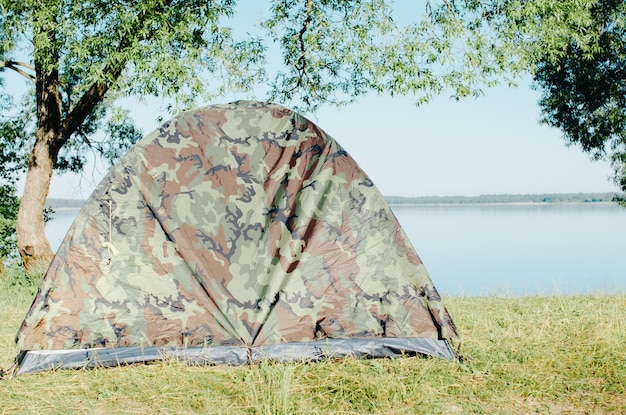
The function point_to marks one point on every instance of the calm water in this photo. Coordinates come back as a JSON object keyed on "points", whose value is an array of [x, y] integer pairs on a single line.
{"points": [[505, 249], [509, 249]]}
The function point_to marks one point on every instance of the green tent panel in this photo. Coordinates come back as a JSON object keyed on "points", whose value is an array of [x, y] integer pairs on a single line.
{"points": [[233, 233]]}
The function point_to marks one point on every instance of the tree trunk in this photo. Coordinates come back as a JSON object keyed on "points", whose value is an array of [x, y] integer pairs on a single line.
{"points": [[53, 131], [32, 243]]}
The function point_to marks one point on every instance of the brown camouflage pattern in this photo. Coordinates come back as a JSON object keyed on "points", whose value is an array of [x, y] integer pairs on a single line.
{"points": [[241, 224]]}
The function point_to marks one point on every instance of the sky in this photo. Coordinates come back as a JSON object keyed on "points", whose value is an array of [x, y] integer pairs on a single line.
{"points": [[490, 145]]}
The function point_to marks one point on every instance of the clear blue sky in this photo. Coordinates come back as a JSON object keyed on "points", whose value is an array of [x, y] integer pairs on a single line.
{"points": [[493, 144]]}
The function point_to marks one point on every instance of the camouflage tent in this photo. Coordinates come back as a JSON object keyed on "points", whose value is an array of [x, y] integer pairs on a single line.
{"points": [[232, 233]]}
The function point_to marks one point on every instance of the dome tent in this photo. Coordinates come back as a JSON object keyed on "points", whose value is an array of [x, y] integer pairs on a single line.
{"points": [[232, 233]]}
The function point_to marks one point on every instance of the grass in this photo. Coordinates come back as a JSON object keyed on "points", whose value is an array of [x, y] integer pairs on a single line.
{"points": [[524, 355]]}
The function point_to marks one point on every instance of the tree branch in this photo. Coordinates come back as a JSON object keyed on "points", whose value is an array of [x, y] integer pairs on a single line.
{"points": [[111, 73], [95, 94], [17, 67], [301, 63]]}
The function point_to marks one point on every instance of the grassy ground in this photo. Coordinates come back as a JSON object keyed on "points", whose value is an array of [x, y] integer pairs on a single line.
{"points": [[524, 355]]}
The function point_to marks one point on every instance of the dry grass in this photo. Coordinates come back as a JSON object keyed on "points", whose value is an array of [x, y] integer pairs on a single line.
{"points": [[524, 355]]}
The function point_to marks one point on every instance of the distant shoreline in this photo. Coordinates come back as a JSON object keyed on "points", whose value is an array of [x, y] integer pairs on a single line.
{"points": [[505, 199], [491, 199], [504, 204]]}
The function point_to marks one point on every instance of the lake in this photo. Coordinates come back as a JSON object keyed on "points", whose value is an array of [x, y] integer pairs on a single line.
{"points": [[504, 249]]}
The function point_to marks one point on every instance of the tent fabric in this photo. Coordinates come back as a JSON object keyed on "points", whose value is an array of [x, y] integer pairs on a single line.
{"points": [[236, 226], [40, 360]]}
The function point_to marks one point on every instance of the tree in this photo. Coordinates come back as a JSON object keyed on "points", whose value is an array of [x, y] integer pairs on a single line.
{"points": [[584, 89], [82, 55], [11, 160]]}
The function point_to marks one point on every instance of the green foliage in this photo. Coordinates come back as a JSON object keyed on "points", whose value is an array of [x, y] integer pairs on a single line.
{"points": [[12, 134], [12, 161], [20, 284], [332, 51], [9, 203], [143, 48], [584, 89], [336, 51]]}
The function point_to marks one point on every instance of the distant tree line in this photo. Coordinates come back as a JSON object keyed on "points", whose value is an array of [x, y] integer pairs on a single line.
{"points": [[504, 198], [53, 203]]}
